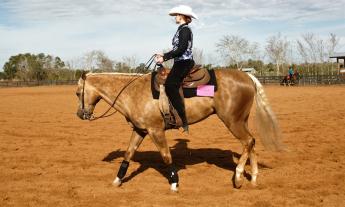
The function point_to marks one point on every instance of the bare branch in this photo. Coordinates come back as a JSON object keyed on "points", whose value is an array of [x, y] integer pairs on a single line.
{"points": [[236, 50], [276, 49]]}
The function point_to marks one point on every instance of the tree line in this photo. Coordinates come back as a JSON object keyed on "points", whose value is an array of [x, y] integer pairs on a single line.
{"points": [[39, 67], [309, 54]]}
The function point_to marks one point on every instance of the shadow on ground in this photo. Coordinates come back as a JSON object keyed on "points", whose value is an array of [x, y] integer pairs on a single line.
{"points": [[182, 157]]}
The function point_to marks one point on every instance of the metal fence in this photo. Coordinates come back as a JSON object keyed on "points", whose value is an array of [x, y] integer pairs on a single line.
{"points": [[304, 80], [37, 83]]}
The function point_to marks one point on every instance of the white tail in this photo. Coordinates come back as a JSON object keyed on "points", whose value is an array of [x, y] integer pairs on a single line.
{"points": [[266, 120]]}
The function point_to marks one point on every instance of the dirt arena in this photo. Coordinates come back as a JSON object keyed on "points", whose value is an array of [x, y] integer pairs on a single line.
{"points": [[49, 157]]}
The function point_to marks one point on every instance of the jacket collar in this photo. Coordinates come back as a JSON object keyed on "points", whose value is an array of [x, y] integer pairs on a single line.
{"points": [[182, 25]]}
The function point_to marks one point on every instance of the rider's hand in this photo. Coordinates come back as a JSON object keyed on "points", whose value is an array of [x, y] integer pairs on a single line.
{"points": [[159, 58]]}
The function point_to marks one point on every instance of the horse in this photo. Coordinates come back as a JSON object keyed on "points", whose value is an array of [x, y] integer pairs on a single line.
{"points": [[290, 80], [131, 96]]}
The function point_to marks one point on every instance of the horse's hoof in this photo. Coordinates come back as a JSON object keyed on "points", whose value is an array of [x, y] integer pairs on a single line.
{"points": [[253, 181], [254, 184], [174, 187], [238, 183], [117, 182]]}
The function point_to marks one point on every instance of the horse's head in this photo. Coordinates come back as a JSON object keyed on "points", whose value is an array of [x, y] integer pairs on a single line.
{"points": [[88, 98]]}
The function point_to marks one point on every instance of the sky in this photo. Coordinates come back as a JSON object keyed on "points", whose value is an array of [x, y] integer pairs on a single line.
{"points": [[140, 28]]}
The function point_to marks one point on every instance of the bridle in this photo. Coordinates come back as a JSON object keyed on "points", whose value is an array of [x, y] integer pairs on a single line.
{"points": [[90, 116], [86, 113]]}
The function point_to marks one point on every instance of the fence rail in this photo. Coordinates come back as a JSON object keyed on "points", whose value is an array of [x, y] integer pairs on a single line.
{"points": [[304, 80], [37, 83]]}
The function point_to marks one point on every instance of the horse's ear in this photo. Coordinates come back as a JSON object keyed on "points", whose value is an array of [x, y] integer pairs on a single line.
{"points": [[83, 75]]}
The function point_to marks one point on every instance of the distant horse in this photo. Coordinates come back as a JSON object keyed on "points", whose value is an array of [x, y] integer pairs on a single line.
{"points": [[290, 80], [232, 103]]}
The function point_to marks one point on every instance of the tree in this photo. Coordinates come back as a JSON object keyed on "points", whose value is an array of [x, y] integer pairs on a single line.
{"points": [[97, 60], [2, 75], [90, 60], [276, 49], [270, 67], [258, 65], [75, 63], [332, 44], [78, 73], [208, 66], [235, 49], [58, 63], [141, 68], [131, 62], [314, 50], [105, 64], [10, 68], [122, 67], [35, 64], [302, 51], [198, 56], [32, 67]]}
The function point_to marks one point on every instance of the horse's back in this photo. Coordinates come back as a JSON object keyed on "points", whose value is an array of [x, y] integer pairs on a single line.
{"points": [[234, 80], [235, 93]]}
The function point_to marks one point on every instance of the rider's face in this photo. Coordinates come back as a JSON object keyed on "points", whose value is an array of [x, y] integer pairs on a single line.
{"points": [[178, 18]]}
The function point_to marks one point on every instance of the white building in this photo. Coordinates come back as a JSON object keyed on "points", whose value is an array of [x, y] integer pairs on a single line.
{"points": [[249, 70]]}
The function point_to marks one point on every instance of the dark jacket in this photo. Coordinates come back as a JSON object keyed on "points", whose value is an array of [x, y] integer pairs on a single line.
{"points": [[182, 44]]}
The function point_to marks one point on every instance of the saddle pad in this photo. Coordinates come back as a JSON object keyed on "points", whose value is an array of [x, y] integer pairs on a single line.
{"points": [[187, 92], [205, 90]]}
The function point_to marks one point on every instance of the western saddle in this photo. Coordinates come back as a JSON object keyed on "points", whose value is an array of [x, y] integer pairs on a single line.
{"points": [[196, 77]]}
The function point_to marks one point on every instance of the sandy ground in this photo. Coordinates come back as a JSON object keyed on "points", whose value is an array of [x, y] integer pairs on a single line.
{"points": [[49, 157]]}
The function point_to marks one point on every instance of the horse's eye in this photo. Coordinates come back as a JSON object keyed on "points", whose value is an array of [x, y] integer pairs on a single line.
{"points": [[77, 93]]}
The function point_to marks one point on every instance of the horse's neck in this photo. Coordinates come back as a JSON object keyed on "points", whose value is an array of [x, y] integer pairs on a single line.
{"points": [[109, 83], [109, 86]]}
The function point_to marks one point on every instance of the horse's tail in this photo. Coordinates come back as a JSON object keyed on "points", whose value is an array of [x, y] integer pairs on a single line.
{"points": [[266, 120]]}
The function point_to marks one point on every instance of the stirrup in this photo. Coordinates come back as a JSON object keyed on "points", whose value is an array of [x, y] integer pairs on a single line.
{"points": [[169, 122], [185, 128]]}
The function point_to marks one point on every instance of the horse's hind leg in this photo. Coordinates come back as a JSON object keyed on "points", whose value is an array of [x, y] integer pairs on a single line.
{"points": [[158, 137], [136, 139], [240, 131], [254, 164]]}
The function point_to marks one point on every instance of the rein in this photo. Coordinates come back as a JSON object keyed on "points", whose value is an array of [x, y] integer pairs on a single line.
{"points": [[104, 115]]}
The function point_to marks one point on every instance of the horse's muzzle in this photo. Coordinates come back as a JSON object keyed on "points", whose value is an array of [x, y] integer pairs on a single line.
{"points": [[84, 114]]}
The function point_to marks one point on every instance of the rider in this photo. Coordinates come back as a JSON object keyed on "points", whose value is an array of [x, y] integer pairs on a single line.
{"points": [[183, 58], [291, 72]]}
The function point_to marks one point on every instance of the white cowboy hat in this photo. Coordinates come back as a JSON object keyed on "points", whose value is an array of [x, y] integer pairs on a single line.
{"points": [[183, 9]]}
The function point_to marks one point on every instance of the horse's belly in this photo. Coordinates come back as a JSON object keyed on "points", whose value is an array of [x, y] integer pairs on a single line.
{"points": [[198, 108]]}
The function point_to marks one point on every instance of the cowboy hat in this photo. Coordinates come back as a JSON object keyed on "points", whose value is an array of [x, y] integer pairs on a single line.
{"points": [[183, 9]]}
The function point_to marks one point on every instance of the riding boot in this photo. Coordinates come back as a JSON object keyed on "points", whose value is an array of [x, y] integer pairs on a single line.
{"points": [[183, 113], [185, 126]]}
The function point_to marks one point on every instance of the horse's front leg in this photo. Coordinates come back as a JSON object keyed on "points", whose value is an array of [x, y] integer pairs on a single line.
{"points": [[136, 139], [158, 137]]}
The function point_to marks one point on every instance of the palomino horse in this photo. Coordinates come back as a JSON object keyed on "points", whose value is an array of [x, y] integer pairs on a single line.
{"points": [[232, 103]]}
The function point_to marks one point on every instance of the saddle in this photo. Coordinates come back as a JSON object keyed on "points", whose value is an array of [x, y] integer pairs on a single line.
{"points": [[196, 77]]}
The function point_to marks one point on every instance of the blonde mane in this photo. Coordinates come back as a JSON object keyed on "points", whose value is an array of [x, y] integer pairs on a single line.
{"points": [[115, 73]]}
